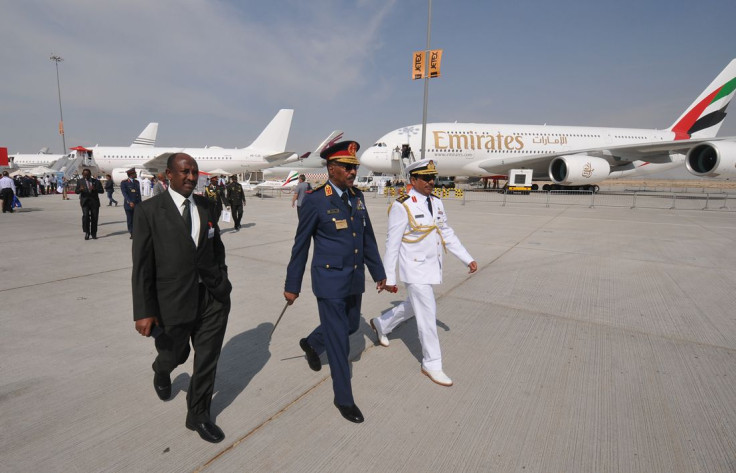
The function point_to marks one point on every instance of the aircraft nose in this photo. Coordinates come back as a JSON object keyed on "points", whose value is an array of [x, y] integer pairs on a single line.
{"points": [[369, 159]]}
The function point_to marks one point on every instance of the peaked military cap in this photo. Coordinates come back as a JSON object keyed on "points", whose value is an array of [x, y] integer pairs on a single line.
{"points": [[342, 152], [425, 167], [130, 171]]}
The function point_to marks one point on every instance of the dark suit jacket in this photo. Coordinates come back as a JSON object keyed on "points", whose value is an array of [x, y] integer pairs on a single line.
{"points": [[87, 197], [131, 192], [344, 243], [167, 266]]}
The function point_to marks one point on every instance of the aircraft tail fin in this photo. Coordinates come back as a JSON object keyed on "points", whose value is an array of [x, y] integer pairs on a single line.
{"points": [[147, 138], [4, 161], [293, 176], [313, 159], [333, 138], [273, 137], [704, 117]]}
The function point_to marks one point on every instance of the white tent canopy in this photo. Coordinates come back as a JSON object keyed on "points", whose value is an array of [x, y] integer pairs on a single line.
{"points": [[218, 172]]}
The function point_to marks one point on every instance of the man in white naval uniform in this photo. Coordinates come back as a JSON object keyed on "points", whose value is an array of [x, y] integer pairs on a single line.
{"points": [[418, 235]]}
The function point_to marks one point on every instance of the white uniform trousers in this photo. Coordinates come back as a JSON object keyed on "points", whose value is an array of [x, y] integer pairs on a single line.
{"points": [[422, 305]]}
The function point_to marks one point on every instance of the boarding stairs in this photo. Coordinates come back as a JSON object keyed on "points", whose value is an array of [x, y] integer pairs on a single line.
{"points": [[69, 165]]}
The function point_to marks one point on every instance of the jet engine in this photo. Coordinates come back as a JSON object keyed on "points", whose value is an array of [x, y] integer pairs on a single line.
{"points": [[578, 170], [712, 159], [121, 174]]}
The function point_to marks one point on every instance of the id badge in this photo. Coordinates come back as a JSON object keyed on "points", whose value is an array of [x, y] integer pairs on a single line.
{"points": [[211, 233], [341, 224]]}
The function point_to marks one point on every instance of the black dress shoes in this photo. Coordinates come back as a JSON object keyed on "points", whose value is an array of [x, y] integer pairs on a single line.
{"points": [[162, 384], [351, 413], [94, 237], [312, 356], [86, 236], [207, 430]]}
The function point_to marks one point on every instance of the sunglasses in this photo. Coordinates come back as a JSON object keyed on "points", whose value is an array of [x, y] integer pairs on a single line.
{"points": [[426, 177], [349, 167]]}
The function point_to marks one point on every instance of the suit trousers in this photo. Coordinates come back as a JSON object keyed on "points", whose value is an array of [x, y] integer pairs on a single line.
{"points": [[237, 214], [129, 216], [90, 213], [6, 195], [421, 304], [207, 333], [339, 318]]}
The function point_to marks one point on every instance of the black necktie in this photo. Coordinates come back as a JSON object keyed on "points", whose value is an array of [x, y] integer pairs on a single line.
{"points": [[345, 198], [429, 204], [187, 216]]}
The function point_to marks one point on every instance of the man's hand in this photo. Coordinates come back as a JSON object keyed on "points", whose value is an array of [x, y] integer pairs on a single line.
{"points": [[290, 297], [473, 267], [144, 326], [381, 286], [132, 205]]}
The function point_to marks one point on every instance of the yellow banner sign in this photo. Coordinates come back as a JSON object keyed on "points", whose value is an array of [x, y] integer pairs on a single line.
{"points": [[419, 66], [435, 59]]}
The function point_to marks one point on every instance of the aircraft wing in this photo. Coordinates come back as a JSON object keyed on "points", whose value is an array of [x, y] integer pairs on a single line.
{"points": [[617, 156], [278, 157], [158, 164]]}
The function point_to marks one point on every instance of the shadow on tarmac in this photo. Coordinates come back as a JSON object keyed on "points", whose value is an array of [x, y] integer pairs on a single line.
{"points": [[242, 357], [407, 332]]}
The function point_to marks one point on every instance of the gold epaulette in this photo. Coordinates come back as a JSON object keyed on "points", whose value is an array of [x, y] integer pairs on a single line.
{"points": [[402, 198], [317, 188]]}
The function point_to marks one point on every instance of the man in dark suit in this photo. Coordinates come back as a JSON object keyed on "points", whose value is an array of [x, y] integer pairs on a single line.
{"points": [[89, 190], [334, 215], [131, 190], [180, 286], [236, 200]]}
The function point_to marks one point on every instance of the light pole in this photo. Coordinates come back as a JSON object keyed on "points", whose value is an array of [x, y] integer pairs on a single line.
{"points": [[426, 83], [57, 60]]}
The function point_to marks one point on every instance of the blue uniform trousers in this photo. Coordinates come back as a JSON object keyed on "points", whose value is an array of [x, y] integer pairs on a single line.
{"points": [[339, 318], [129, 217]]}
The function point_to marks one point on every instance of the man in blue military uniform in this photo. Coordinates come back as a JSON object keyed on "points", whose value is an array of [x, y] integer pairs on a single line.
{"points": [[334, 215], [131, 190]]}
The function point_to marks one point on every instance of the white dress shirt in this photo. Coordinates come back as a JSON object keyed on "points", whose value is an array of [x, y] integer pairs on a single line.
{"points": [[179, 202]]}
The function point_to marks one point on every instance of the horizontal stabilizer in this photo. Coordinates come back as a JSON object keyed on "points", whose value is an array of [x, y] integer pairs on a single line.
{"points": [[275, 158]]}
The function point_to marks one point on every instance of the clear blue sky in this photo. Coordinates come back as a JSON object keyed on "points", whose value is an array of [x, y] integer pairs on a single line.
{"points": [[215, 72]]}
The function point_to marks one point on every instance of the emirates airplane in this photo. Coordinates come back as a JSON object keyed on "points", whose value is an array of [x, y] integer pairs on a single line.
{"points": [[267, 150], [572, 155]]}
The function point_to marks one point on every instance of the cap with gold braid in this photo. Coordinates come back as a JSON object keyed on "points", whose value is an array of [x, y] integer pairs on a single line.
{"points": [[342, 152], [425, 167]]}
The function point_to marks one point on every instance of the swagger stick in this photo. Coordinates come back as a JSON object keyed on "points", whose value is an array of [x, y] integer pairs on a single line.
{"points": [[278, 320]]}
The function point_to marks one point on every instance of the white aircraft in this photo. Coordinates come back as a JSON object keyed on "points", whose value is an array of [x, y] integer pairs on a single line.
{"points": [[267, 150], [147, 138], [572, 155], [291, 181], [308, 163]]}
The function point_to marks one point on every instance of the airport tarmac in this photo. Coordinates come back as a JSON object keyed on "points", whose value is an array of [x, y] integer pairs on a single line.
{"points": [[590, 340]]}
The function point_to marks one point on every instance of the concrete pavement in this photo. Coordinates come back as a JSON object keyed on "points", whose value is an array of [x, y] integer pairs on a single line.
{"points": [[595, 339]]}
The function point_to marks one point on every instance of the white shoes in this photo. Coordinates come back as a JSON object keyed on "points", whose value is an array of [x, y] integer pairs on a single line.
{"points": [[382, 338], [438, 376]]}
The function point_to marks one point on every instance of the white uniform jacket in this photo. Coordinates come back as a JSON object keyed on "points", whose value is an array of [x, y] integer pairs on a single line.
{"points": [[417, 242]]}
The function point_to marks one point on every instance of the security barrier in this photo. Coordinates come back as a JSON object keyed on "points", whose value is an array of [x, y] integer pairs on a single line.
{"points": [[653, 200]]}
